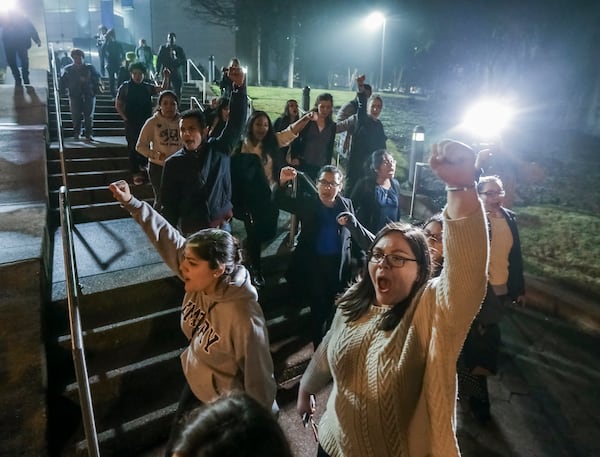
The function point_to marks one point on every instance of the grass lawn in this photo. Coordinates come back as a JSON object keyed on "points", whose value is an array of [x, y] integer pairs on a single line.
{"points": [[559, 217]]}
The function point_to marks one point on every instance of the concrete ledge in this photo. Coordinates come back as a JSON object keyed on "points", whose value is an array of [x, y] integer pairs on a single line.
{"points": [[555, 300]]}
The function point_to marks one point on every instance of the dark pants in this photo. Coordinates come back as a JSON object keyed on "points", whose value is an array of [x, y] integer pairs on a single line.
{"points": [[323, 288], [187, 402], [176, 83], [113, 74], [137, 162], [11, 59], [82, 106], [102, 62], [155, 174]]}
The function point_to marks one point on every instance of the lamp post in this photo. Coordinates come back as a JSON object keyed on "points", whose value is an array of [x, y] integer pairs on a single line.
{"points": [[374, 20]]}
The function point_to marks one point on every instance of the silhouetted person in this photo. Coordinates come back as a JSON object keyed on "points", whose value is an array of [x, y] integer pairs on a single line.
{"points": [[81, 80], [114, 55], [100, 40], [172, 56], [17, 33]]}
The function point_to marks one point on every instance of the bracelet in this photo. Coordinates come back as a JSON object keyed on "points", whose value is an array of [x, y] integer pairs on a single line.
{"points": [[459, 188]]}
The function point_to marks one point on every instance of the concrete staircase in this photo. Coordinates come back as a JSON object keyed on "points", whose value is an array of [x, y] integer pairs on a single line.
{"points": [[130, 308], [133, 342]]}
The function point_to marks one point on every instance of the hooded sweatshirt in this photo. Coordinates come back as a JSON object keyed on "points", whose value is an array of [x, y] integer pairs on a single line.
{"points": [[159, 135], [227, 332]]}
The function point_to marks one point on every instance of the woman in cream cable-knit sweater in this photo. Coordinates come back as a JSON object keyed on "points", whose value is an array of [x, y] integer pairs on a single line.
{"points": [[392, 348]]}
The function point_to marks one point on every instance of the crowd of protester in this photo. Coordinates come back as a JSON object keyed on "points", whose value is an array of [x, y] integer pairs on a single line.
{"points": [[385, 296]]}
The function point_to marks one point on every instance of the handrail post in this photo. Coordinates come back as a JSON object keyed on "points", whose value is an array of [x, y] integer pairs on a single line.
{"points": [[77, 346], [294, 218], [189, 67]]}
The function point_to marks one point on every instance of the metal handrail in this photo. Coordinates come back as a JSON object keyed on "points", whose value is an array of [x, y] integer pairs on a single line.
{"points": [[191, 65], [294, 218], [195, 103], [61, 146], [77, 347]]}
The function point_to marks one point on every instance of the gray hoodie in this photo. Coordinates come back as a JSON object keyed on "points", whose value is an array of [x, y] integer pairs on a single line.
{"points": [[227, 332]]}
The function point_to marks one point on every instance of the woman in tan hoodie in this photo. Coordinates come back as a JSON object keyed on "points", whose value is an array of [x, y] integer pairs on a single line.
{"points": [[159, 138]]}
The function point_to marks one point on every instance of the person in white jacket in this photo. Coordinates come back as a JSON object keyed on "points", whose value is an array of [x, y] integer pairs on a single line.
{"points": [[220, 316], [159, 138]]}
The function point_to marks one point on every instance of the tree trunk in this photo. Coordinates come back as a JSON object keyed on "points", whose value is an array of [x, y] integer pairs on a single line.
{"points": [[292, 60], [258, 55]]}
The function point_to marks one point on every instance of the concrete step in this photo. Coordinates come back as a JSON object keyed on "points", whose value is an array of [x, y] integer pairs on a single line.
{"points": [[88, 179], [91, 164], [108, 151]]}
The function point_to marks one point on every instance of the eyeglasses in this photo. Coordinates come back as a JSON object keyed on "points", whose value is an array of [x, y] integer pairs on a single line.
{"points": [[493, 193], [328, 184], [393, 260], [437, 237]]}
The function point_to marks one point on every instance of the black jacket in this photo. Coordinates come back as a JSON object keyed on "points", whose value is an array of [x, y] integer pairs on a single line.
{"points": [[251, 193], [367, 207], [196, 185], [307, 207], [516, 280]]}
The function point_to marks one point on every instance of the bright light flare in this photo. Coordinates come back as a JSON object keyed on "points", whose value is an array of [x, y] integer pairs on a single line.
{"points": [[374, 20], [8, 6], [488, 118]]}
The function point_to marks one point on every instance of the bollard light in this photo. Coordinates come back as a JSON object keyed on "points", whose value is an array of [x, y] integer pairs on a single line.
{"points": [[417, 147], [306, 98]]}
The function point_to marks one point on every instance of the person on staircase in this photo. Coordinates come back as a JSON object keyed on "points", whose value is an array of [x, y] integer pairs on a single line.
{"points": [[143, 54], [196, 181], [81, 80], [220, 315], [17, 34], [113, 56], [255, 167], [404, 330], [322, 263], [100, 40], [159, 139], [134, 105], [173, 57]]}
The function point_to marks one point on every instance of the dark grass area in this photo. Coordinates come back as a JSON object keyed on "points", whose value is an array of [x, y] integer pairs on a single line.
{"points": [[556, 171]]}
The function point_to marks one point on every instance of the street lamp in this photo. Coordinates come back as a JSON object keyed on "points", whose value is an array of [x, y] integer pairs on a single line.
{"points": [[375, 20]]}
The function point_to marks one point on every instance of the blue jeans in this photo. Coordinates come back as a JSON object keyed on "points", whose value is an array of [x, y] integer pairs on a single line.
{"points": [[82, 105]]}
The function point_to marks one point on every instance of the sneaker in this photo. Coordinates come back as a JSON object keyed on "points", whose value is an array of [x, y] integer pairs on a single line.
{"points": [[89, 139], [76, 137], [26, 81]]}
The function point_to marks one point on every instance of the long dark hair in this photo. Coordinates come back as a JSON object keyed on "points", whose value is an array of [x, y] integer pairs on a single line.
{"points": [[217, 247], [286, 112], [270, 147], [234, 424], [355, 302]]}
